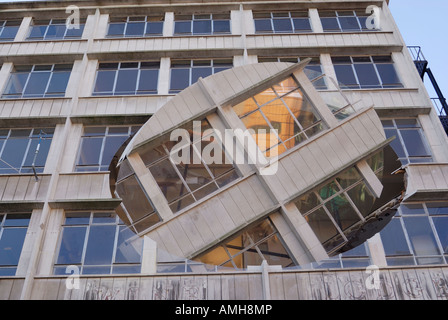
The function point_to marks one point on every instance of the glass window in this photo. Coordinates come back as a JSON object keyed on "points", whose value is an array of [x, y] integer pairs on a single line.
{"points": [[55, 29], [8, 29], [98, 243], [38, 81], [253, 245], [18, 150], [409, 144], [344, 21], [13, 228], [366, 72], [284, 108], [201, 24], [332, 209], [99, 145], [127, 78], [281, 22], [184, 173], [184, 73], [137, 26]]}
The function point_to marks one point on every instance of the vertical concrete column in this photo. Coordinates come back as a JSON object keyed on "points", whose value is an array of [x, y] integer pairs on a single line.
{"points": [[28, 245], [163, 85], [236, 22], [89, 27], [24, 28], [168, 24], [316, 24], [149, 256], [376, 250], [5, 71], [328, 69], [101, 27]]}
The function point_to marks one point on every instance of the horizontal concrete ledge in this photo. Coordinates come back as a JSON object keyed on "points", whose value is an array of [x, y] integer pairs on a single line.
{"points": [[20, 206], [119, 119], [42, 58], [401, 111], [31, 122], [428, 195], [85, 204]]}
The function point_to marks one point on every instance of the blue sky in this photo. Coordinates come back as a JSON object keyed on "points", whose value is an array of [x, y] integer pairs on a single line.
{"points": [[424, 23]]}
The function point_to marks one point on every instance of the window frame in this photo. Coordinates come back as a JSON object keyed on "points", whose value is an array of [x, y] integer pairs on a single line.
{"points": [[194, 17], [131, 130], [337, 17], [51, 22], [374, 64], [118, 224], [277, 16], [15, 23], [116, 75], [147, 20], [45, 93]]}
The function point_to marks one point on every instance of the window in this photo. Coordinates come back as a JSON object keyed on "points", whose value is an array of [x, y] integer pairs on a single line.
{"points": [[410, 144], [334, 208], [355, 258], [184, 73], [98, 243], [366, 72], [417, 235], [201, 24], [8, 29], [313, 70], [253, 245], [143, 26], [13, 228], [18, 149], [186, 181], [285, 108], [54, 29], [344, 21], [127, 78], [99, 145], [282, 22], [38, 81]]}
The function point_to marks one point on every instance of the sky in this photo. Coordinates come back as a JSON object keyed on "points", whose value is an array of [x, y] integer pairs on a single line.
{"points": [[424, 23]]}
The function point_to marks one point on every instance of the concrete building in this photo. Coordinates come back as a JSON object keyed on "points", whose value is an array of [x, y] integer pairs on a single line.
{"points": [[338, 192]]}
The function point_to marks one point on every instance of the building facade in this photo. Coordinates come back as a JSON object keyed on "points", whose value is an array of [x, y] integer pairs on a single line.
{"points": [[344, 198]]}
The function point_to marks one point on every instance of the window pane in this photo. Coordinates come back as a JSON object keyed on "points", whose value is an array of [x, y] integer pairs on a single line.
{"points": [[362, 198], [13, 154], [389, 76], [58, 83], [168, 180], [394, 240], [17, 220], [100, 245], [321, 224], [135, 29], [153, 28], [111, 147], [126, 82], [37, 84], [282, 25], [41, 156], [9, 33], [16, 84], [421, 236], [342, 212], [200, 72], [221, 26], [180, 79], [90, 151], [37, 32], [367, 76], [72, 244], [263, 25], [148, 81], [104, 81], [129, 247], [11, 244], [395, 144], [134, 198], [330, 24], [441, 224], [75, 33], [413, 141], [302, 24], [346, 76], [202, 27], [349, 23], [182, 27], [116, 29], [55, 32]]}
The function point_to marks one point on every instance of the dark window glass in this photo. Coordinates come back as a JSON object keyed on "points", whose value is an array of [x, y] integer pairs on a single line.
{"points": [[263, 25], [282, 25], [346, 76], [441, 225], [154, 28], [202, 27], [394, 240], [182, 27], [71, 247], [414, 144], [349, 24], [116, 29], [126, 82], [148, 81], [421, 236], [367, 76], [388, 75], [104, 81], [8, 29], [330, 24], [221, 26], [180, 79], [302, 24]]}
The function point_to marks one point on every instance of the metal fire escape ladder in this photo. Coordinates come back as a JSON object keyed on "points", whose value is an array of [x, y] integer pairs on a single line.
{"points": [[422, 66]]}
